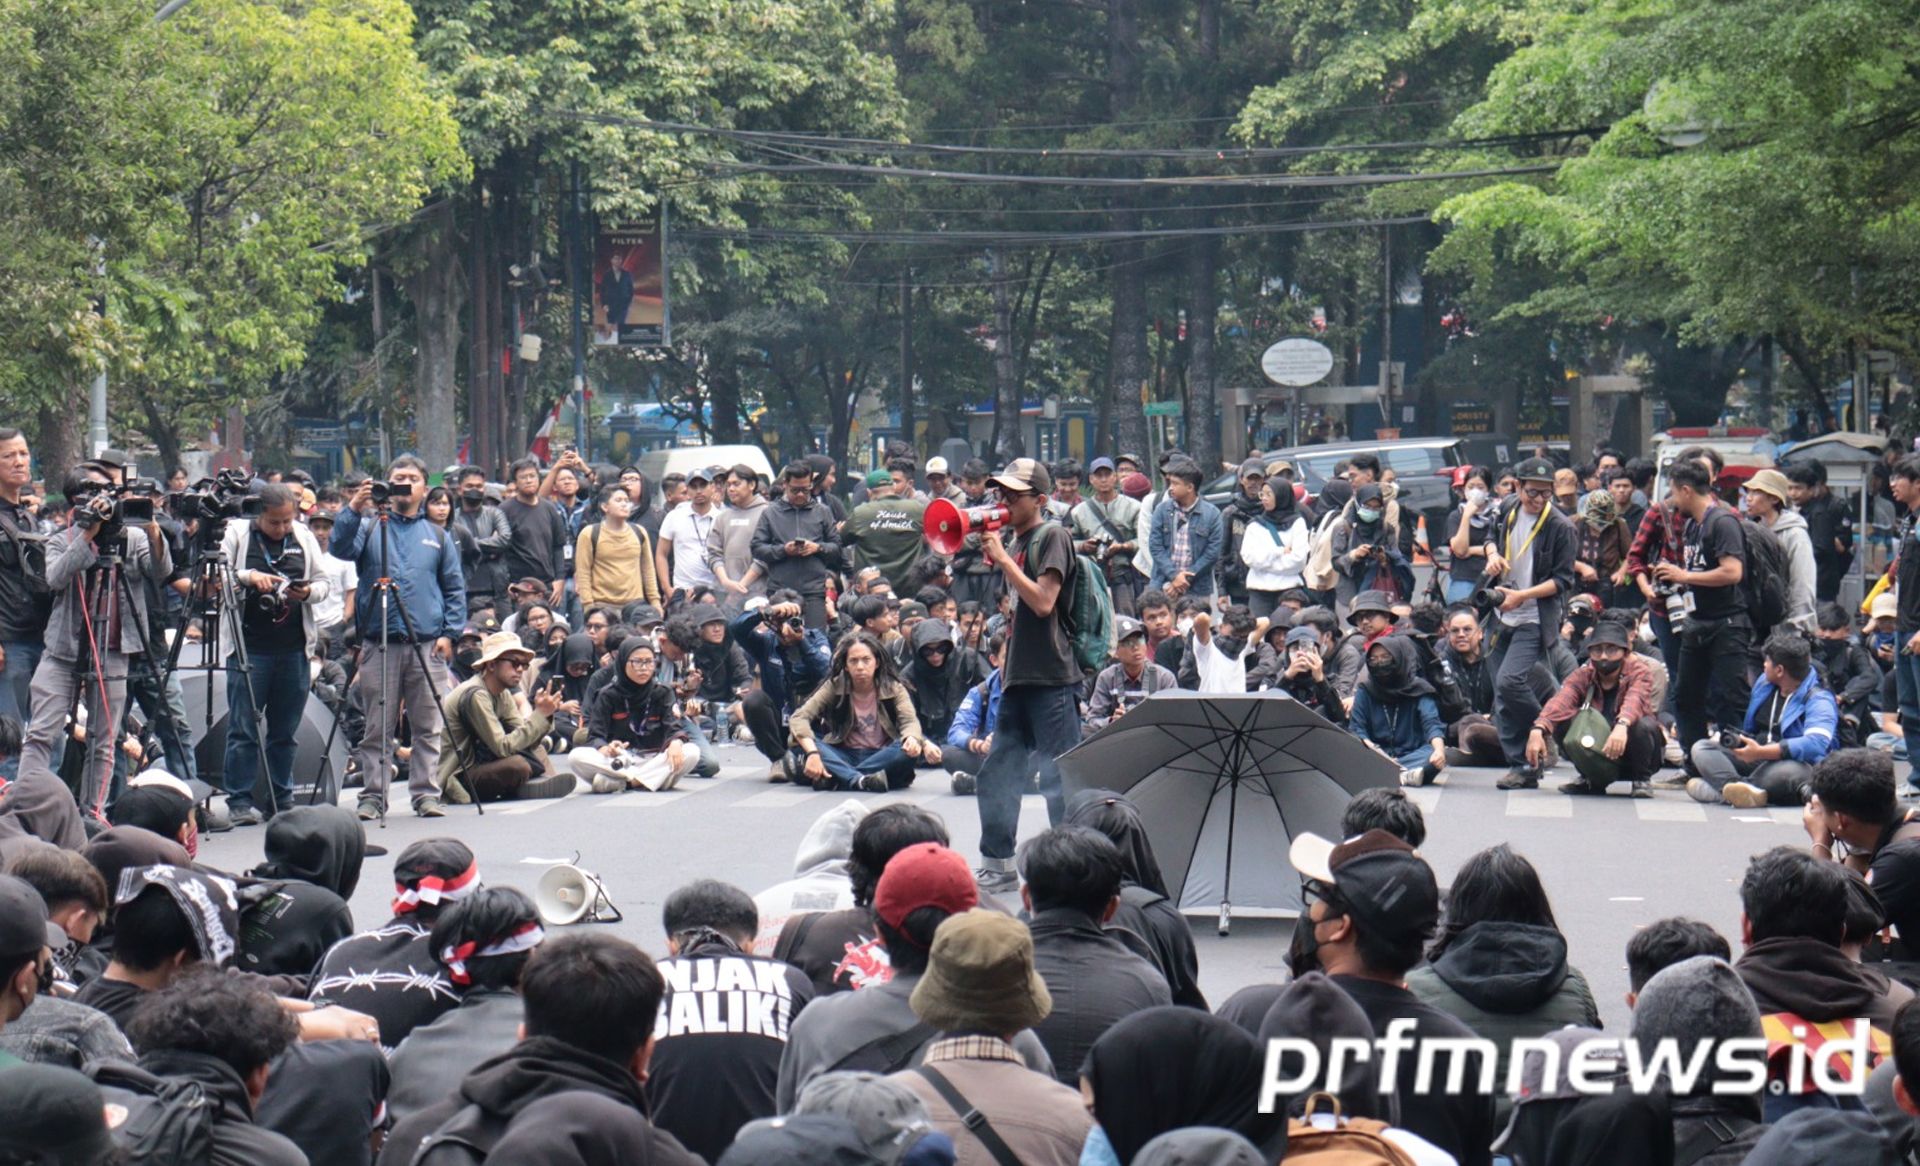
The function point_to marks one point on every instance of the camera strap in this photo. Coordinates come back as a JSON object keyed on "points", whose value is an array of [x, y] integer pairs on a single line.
{"points": [[1514, 522]]}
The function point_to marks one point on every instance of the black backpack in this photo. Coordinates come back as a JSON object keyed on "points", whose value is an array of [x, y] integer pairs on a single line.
{"points": [[169, 1121], [26, 550], [1764, 582]]}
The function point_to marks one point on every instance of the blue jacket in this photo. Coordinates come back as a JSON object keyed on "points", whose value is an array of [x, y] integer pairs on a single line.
{"points": [[1807, 723], [1206, 534], [787, 674], [1394, 727], [977, 713], [423, 563]]}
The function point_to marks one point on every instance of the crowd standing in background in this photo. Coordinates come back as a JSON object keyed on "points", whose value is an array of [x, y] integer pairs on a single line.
{"points": [[577, 628]]}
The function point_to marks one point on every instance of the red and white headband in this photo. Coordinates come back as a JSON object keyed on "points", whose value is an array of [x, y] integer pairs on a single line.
{"points": [[434, 890], [525, 938]]}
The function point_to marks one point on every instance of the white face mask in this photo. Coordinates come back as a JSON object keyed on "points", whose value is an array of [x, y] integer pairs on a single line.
{"points": [[1476, 496]]}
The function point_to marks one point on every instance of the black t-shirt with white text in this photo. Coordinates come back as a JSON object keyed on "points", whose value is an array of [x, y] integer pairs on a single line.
{"points": [[1039, 651], [1715, 537]]}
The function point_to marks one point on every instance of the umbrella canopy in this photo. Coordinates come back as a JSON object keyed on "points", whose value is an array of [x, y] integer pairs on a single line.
{"points": [[310, 740], [1223, 784]]}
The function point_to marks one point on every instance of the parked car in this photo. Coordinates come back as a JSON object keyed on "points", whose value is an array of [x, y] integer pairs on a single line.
{"points": [[1421, 465]]}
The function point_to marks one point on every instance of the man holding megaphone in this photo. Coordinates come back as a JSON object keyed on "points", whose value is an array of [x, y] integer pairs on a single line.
{"points": [[1038, 718]]}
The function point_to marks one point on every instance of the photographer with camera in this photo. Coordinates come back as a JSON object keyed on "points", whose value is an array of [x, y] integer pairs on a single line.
{"points": [[797, 542], [1789, 728], [792, 659], [1103, 529], [98, 622], [425, 608], [276, 562], [1530, 555], [1711, 672]]}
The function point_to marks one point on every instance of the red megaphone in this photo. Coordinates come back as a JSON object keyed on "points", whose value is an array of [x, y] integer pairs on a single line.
{"points": [[947, 526]]}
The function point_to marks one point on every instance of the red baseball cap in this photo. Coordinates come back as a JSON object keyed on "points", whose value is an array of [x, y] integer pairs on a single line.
{"points": [[926, 874]]}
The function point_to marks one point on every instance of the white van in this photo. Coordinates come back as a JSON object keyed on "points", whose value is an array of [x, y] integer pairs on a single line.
{"points": [[684, 459]]}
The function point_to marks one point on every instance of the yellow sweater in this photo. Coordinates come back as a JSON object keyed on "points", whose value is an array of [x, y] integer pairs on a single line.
{"points": [[622, 571]]}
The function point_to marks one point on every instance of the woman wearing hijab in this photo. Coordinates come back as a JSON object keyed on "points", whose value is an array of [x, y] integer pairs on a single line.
{"points": [[570, 668], [1395, 712], [1144, 919], [1604, 540], [1274, 548], [635, 736], [1170, 1068], [1366, 549]]}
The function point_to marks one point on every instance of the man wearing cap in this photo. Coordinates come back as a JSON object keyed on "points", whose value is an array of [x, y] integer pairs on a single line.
{"points": [[26, 962], [980, 988], [1621, 740], [1103, 529], [730, 544], [1130, 679], [389, 972], [1305, 676], [876, 1029], [887, 530], [1039, 716], [54, 1115], [940, 483], [1186, 535], [1239, 512], [493, 749], [688, 527], [1372, 904], [1530, 553], [1768, 494], [798, 543]]}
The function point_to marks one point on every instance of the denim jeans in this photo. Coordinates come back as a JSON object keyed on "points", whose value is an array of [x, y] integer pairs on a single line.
{"points": [[1906, 678], [280, 683], [16, 683], [1036, 724], [848, 765]]}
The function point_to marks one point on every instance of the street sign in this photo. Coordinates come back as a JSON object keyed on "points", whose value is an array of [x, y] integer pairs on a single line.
{"points": [[1162, 409], [1297, 362]]}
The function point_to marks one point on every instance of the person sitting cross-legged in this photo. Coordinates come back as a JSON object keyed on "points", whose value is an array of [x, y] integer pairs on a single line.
{"points": [[636, 739], [858, 730], [1394, 711], [1613, 694], [1790, 726], [493, 749]]}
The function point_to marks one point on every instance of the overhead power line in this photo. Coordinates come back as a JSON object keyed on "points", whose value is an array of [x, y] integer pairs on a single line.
{"points": [[1029, 238]]}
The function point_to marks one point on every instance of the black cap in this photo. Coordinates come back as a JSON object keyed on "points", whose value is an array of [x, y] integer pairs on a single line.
{"points": [[1366, 601], [23, 918], [1385, 882], [1534, 469], [210, 904], [705, 613], [54, 1114], [1608, 632]]}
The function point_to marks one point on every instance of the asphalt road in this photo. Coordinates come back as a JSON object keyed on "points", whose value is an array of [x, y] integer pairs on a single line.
{"points": [[1610, 864]]}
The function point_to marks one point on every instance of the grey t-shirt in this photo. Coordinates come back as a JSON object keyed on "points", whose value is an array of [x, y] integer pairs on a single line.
{"points": [[1519, 575]]}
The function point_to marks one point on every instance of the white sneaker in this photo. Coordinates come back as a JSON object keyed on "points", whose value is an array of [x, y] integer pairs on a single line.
{"points": [[606, 784]]}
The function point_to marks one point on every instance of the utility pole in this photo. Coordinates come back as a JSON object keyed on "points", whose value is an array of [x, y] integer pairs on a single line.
{"points": [[577, 268], [1386, 328], [907, 419]]}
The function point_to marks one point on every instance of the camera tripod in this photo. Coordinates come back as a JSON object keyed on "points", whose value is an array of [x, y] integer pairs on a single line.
{"points": [[212, 597], [389, 602]]}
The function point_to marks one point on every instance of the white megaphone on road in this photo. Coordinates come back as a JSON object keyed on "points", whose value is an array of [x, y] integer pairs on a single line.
{"points": [[567, 894]]}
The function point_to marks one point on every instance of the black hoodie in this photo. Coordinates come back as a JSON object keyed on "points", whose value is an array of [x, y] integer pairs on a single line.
{"points": [[640, 716], [502, 1089], [1816, 981], [298, 909], [939, 692]]}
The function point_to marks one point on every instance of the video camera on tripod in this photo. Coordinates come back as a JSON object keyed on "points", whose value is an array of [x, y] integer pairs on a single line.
{"points": [[383, 492], [113, 508], [228, 494]]}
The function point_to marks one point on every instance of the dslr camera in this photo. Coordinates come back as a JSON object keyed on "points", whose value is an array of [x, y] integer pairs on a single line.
{"points": [[794, 624], [1673, 602], [1730, 739], [385, 492]]}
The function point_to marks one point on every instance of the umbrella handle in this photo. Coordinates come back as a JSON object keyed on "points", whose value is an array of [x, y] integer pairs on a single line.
{"points": [[1226, 917]]}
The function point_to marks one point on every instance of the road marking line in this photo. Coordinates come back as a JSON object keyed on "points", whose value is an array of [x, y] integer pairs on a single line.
{"points": [[532, 806], [642, 799], [1785, 815], [1658, 810], [1627, 899], [780, 799], [1526, 803], [1427, 797]]}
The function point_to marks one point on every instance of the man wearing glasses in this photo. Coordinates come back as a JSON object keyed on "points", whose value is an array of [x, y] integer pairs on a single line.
{"points": [[1530, 566], [1039, 717]]}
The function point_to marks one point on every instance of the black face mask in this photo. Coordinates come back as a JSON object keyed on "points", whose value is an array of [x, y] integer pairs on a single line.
{"points": [[1384, 673], [1608, 667], [473, 497], [1303, 953], [467, 658], [1230, 646]]}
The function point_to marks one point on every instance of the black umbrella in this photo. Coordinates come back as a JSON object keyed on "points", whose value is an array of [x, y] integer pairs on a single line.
{"points": [[315, 741], [1223, 784]]}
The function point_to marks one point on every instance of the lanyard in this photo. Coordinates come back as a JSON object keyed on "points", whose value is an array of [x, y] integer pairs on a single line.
{"points": [[1537, 526]]}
